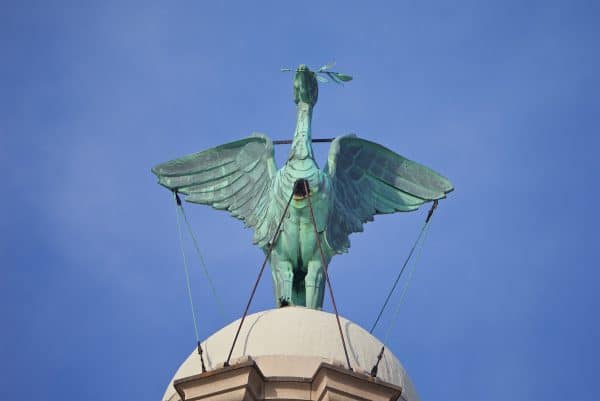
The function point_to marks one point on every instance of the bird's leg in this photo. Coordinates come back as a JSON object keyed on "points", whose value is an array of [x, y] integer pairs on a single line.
{"points": [[276, 287], [321, 293], [314, 285], [285, 277]]}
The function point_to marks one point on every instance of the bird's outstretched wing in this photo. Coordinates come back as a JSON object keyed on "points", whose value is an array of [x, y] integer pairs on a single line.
{"points": [[235, 176], [369, 179]]}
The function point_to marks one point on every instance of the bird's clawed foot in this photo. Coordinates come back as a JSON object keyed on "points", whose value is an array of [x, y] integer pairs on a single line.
{"points": [[314, 285]]}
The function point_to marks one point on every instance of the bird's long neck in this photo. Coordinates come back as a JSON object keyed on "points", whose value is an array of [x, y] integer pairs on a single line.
{"points": [[302, 143]]}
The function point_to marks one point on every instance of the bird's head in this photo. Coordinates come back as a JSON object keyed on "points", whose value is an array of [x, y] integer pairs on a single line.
{"points": [[306, 89]]}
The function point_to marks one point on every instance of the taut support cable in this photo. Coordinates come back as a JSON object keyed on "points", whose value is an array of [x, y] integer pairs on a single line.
{"points": [[202, 262], [324, 265], [419, 243], [405, 287], [412, 250], [201, 356], [187, 279], [262, 268], [185, 267], [376, 366], [397, 312]]}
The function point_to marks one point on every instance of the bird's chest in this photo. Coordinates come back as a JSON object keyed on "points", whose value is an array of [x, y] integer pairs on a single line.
{"points": [[299, 217], [298, 236], [310, 212], [299, 230]]}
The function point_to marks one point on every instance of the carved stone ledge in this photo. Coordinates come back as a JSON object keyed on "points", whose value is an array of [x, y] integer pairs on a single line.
{"points": [[244, 381], [332, 383]]}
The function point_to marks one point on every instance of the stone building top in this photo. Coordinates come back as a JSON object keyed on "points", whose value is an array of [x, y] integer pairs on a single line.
{"points": [[295, 342]]}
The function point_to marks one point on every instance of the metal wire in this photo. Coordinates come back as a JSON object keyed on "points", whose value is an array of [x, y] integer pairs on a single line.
{"points": [[405, 287], [406, 261], [202, 263], [419, 243], [262, 268], [187, 277], [185, 268], [324, 265]]}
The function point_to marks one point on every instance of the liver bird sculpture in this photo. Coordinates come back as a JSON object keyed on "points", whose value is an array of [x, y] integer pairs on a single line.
{"points": [[359, 180]]}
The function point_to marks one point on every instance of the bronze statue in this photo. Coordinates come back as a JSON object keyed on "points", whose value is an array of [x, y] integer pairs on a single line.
{"points": [[359, 180]]}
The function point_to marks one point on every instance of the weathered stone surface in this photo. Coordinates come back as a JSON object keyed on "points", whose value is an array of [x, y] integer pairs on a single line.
{"points": [[293, 342], [245, 381]]}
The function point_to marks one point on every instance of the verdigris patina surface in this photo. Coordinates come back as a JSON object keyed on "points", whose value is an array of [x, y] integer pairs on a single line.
{"points": [[359, 180]]}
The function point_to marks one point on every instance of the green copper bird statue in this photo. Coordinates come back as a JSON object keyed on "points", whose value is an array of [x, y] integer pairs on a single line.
{"points": [[359, 180]]}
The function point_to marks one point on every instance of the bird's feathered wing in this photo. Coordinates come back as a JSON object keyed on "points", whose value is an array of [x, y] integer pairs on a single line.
{"points": [[369, 179], [236, 176]]}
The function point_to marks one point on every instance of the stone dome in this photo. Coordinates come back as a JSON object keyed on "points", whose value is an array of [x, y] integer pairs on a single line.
{"points": [[308, 335]]}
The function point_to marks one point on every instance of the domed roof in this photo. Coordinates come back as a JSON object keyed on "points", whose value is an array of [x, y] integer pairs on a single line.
{"points": [[296, 332]]}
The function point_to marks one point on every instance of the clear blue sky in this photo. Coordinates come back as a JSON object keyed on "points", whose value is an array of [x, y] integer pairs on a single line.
{"points": [[501, 97]]}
